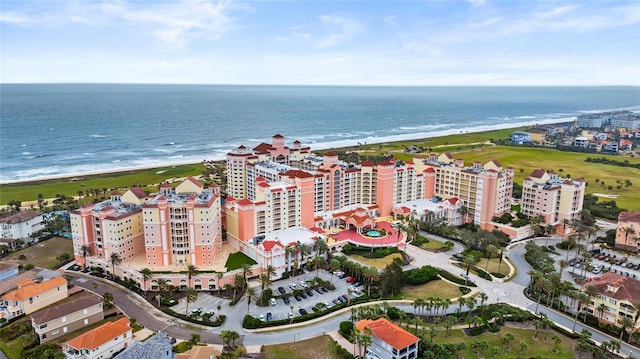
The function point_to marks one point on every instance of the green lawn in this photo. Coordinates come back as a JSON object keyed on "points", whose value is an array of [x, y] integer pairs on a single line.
{"points": [[13, 348], [122, 180], [236, 260], [379, 263], [43, 254], [435, 288], [536, 348], [432, 244], [494, 264], [318, 348]]}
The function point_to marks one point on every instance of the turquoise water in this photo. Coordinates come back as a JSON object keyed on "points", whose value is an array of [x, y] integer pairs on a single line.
{"points": [[49, 130], [373, 234]]}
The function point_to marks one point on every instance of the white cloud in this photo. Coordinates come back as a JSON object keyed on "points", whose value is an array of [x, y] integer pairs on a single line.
{"points": [[347, 29], [175, 22]]}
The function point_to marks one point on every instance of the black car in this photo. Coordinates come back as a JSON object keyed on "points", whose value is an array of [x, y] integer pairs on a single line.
{"points": [[357, 284], [303, 311], [324, 290], [304, 296], [309, 293], [343, 275], [269, 317], [319, 290], [281, 290], [344, 296], [298, 297], [286, 300]]}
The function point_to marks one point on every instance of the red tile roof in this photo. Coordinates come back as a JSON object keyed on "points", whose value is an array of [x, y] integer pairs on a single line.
{"points": [[277, 135], [101, 335], [628, 289], [244, 202], [28, 289], [629, 217], [331, 154], [388, 332], [262, 148], [194, 181], [367, 163], [297, 174], [268, 245], [537, 173], [138, 192]]}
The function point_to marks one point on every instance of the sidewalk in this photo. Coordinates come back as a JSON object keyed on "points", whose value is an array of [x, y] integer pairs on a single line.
{"points": [[343, 342]]}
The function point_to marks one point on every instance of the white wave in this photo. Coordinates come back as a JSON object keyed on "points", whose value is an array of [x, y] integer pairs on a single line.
{"points": [[97, 136], [23, 145], [25, 153]]}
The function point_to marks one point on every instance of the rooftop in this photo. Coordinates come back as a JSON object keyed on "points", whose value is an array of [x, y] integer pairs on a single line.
{"points": [[70, 305], [627, 288], [155, 347], [20, 217], [28, 288], [100, 335], [388, 332]]}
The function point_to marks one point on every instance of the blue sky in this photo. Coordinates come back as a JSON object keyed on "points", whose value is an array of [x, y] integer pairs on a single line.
{"points": [[479, 42]]}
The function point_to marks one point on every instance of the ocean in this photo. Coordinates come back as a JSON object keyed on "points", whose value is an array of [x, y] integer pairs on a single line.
{"points": [[50, 130]]}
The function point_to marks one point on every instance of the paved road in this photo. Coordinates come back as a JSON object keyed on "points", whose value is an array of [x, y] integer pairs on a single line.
{"points": [[509, 292]]}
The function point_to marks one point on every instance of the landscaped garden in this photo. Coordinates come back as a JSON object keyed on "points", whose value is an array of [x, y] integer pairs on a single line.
{"points": [[237, 260], [322, 347]]}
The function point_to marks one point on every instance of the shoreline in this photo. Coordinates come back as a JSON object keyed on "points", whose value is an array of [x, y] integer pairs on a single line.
{"points": [[344, 145]]}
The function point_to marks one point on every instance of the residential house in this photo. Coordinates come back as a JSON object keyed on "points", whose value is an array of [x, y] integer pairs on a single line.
{"points": [[8, 270], [33, 295], [538, 135], [616, 298], [520, 137], [157, 347], [628, 231], [581, 141], [67, 316], [200, 352], [389, 341], [625, 145], [21, 225], [102, 342]]}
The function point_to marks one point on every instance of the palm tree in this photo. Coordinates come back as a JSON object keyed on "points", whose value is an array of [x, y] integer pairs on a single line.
{"points": [[192, 271], [115, 260], [85, 251], [270, 271], [190, 296], [238, 282], [464, 211], [591, 292], [219, 275], [265, 281], [320, 246], [627, 232], [219, 307], [582, 298], [468, 261], [507, 339], [251, 294], [563, 264], [491, 251], [246, 271], [107, 298], [334, 265], [288, 250], [626, 323], [146, 275]]}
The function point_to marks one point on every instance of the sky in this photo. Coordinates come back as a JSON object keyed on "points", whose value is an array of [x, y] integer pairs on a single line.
{"points": [[395, 43]]}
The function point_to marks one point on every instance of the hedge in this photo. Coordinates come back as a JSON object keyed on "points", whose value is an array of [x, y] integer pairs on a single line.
{"points": [[187, 318], [483, 274], [453, 278]]}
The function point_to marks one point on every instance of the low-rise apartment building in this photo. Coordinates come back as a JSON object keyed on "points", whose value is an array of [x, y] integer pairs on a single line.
{"points": [[616, 298], [21, 225], [67, 316], [32, 296], [389, 341], [102, 342], [628, 231]]}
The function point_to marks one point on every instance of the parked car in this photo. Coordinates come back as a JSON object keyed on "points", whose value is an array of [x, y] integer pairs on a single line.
{"points": [[269, 317], [281, 290], [298, 297], [319, 290], [324, 290], [292, 286], [303, 284], [273, 301], [262, 317], [290, 315], [304, 296], [286, 300], [350, 279], [309, 293], [303, 311]]}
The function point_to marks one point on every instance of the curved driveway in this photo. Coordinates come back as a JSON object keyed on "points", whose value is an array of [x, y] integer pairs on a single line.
{"points": [[508, 292]]}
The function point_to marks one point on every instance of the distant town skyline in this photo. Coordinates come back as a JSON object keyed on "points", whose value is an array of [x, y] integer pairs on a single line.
{"points": [[413, 43]]}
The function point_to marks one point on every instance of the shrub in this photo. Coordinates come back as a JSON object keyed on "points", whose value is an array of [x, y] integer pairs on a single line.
{"points": [[420, 276], [285, 275], [464, 290], [266, 295], [182, 347], [476, 331], [251, 322], [455, 279], [498, 275], [346, 329], [483, 274]]}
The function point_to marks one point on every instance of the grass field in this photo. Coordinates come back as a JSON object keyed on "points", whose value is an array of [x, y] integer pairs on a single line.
{"points": [[435, 288], [121, 180], [43, 254], [236, 260], [494, 264], [535, 348], [379, 263], [432, 245], [317, 348]]}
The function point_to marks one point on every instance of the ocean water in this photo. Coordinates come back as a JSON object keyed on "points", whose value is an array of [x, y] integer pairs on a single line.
{"points": [[49, 130]]}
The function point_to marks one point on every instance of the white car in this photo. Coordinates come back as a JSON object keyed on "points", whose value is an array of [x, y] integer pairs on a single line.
{"points": [[292, 286], [262, 317], [303, 284]]}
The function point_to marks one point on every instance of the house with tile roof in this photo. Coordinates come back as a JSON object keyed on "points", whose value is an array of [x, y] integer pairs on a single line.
{"points": [[67, 316], [389, 341], [616, 298], [102, 342], [157, 347], [33, 295], [21, 225], [628, 231]]}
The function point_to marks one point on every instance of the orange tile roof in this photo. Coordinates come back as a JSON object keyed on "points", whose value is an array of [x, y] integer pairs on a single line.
{"points": [[102, 334], [388, 332], [26, 290]]}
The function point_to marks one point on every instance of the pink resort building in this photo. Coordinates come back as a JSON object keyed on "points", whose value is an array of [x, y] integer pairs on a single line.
{"points": [[555, 198]]}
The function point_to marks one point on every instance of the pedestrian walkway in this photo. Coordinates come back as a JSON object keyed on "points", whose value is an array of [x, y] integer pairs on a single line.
{"points": [[342, 341]]}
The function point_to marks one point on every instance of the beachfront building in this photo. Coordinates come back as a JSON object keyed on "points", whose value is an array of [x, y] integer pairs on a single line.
{"points": [[67, 316], [182, 225], [157, 347], [102, 342], [628, 231], [520, 137], [555, 198], [21, 225], [484, 190], [617, 298], [31, 296], [388, 341], [108, 227]]}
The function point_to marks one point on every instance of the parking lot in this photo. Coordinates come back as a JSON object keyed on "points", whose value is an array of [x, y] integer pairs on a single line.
{"points": [[287, 304], [613, 262]]}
